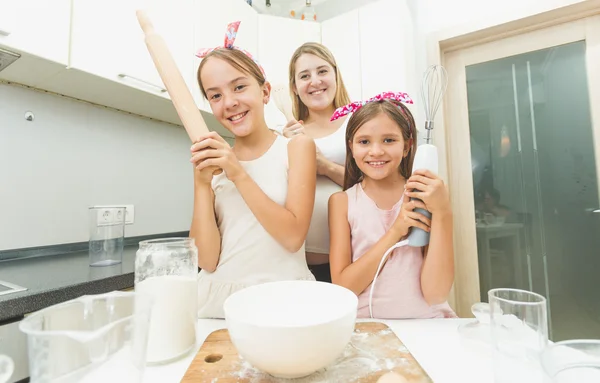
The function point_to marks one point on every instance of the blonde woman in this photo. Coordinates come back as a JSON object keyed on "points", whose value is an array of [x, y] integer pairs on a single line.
{"points": [[317, 89]]}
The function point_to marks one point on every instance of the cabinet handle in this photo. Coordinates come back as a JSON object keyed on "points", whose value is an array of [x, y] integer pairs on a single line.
{"points": [[160, 88], [4, 32]]}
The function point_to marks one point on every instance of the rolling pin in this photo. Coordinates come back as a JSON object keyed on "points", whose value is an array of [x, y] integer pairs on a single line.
{"points": [[281, 97], [171, 76], [167, 69]]}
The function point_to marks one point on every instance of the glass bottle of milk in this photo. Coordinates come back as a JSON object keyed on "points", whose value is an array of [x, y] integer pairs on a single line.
{"points": [[167, 270]]}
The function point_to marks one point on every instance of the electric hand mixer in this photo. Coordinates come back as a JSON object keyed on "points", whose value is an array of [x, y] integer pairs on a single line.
{"points": [[433, 87]]}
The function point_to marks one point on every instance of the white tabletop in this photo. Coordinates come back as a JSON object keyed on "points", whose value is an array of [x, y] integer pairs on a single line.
{"points": [[435, 344]]}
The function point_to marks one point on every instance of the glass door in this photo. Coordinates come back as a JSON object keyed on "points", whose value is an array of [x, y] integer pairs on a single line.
{"points": [[528, 107]]}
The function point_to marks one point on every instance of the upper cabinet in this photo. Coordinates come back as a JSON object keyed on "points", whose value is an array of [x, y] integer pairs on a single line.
{"points": [[94, 50], [341, 35], [278, 38], [210, 25], [36, 27], [386, 34], [107, 40]]}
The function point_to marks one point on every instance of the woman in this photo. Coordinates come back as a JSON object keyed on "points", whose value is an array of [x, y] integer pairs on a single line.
{"points": [[317, 89]]}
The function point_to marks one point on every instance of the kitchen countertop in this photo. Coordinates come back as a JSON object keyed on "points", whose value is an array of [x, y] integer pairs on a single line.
{"points": [[58, 278], [59, 273], [435, 344]]}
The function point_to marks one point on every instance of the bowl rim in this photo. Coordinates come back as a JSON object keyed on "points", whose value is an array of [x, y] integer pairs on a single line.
{"points": [[354, 308]]}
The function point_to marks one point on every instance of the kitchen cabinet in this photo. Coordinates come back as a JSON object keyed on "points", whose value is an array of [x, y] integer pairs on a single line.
{"points": [[385, 47], [94, 50], [210, 25], [278, 38], [342, 36], [107, 41], [36, 27]]}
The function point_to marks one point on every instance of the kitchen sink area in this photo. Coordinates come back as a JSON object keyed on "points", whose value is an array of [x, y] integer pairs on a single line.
{"points": [[10, 288]]}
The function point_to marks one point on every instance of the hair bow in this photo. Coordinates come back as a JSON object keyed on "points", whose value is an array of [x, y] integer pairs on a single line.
{"points": [[356, 105], [230, 35]]}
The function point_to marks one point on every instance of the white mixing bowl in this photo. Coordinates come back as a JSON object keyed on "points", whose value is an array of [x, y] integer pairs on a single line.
{"points": [[290, 329]]}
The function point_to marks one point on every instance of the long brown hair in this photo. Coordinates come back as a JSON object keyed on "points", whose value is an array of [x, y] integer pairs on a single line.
{"points": [[237, 59], [401, 115], [341, 98]]}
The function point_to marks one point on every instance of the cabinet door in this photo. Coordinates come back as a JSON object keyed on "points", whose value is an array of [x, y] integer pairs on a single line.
{"points": [[210, 24], [38, 27], [341, 35], [385, 47], [174, 21], [108, 41], [278, 38]]}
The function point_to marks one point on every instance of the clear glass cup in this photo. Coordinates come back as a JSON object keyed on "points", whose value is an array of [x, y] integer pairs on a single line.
{"points": [[572, 361], [475, 335], [167, 270], [94, 338], [7, 367], [107, 234], [519, 333]]}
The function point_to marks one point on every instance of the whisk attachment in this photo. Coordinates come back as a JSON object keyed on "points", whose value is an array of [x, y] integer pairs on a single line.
{"points": [[433, 88]]}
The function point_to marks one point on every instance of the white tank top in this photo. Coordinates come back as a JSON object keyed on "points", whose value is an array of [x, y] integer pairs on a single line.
{"points": [[333, 147], [249, 254]]}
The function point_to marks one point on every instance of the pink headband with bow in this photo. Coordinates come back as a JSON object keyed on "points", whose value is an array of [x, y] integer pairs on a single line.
{"points": [[356, 105], [230, 35]]}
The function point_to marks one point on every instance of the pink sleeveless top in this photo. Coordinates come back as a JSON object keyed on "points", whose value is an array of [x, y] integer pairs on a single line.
{"points": [[397, 293]]}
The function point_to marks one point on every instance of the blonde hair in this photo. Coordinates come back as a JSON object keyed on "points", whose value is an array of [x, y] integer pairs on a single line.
{"points": [[341, 98], [237, 59]]}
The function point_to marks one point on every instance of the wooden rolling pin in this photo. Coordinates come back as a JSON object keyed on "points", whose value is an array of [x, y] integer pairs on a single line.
{"points": [[167, 69], [281, 97]]}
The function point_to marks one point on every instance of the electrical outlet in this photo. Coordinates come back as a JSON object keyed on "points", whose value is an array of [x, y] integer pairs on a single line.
{"points": [[129, 214], [104, 217], [119, 215], [109, 217]]}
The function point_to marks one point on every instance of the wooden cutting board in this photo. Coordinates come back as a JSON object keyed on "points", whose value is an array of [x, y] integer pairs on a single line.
{"points": [[373, 351]]}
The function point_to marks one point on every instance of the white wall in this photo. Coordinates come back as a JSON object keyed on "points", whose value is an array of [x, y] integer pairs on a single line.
{"points": [[463, 15], [332, 8], [74, 155], [446, 19]]}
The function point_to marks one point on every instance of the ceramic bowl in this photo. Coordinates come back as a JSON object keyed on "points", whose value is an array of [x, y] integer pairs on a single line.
{"points": [[290, 329]]}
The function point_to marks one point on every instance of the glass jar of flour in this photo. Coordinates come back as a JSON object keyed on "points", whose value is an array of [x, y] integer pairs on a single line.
{"points": [[167, 270]]}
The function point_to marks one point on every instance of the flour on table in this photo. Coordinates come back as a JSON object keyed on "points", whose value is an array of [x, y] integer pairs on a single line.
{"points": [[364, 355]]}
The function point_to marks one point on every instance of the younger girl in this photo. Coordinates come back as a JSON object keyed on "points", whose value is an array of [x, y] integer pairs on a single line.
{"points": [[374, 212], [250, 220]]}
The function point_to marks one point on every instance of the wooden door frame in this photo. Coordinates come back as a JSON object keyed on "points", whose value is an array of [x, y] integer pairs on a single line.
{"points": [[440, 46]]}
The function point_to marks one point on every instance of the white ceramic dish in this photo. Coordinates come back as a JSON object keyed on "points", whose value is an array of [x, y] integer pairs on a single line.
{"points": [[290, 329]]}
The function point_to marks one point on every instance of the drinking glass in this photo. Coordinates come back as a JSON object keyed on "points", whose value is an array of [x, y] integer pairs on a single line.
{"points": [[572, 361], [6, 368], [519, 333], [107, 233]]}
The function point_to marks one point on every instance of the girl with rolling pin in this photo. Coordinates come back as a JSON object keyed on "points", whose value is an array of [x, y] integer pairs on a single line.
{"points": [[317, 89], [251, 219]]}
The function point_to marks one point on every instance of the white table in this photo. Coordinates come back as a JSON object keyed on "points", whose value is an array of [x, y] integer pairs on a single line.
{"points": [[435, 344]]}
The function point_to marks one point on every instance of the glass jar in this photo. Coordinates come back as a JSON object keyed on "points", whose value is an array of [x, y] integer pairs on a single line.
{"points": [[167, 270]]}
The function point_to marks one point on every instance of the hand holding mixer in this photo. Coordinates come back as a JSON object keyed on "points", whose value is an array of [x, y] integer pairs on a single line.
{"points": [[433, 88]]}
